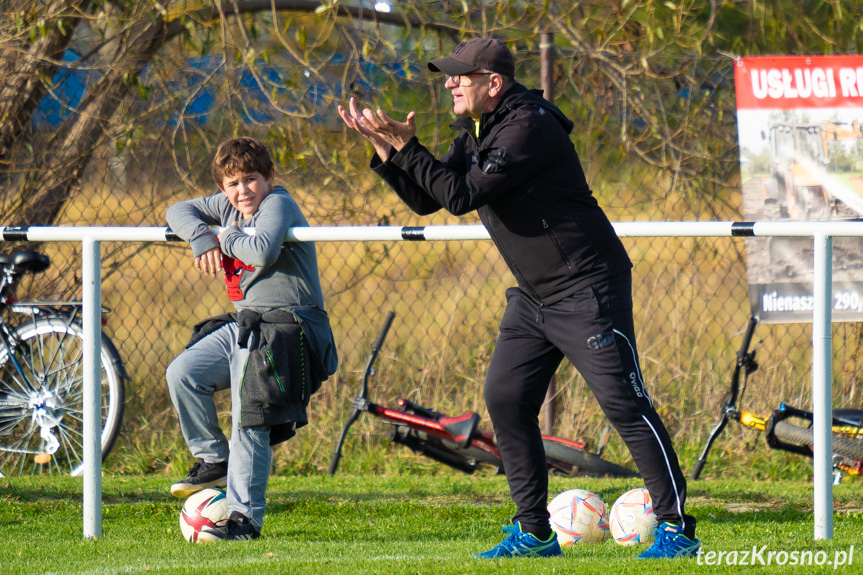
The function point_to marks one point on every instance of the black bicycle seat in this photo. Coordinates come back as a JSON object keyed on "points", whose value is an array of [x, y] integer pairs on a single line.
{"points": [[25, 261], [852, 416], [461, 428]]}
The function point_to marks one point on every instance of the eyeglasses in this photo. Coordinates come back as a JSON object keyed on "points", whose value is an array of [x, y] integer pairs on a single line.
{"points": [[456, 80]]}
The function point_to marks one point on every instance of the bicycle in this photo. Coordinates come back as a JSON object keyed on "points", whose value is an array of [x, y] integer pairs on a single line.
{"points": [[780, 433], [456, 441], [41, 379]]}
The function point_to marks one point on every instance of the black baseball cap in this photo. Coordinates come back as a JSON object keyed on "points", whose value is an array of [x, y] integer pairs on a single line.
{"points": [[476, 54]]}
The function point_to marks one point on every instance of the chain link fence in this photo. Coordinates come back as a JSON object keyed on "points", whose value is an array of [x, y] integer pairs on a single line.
{"points": [[691, 299]]}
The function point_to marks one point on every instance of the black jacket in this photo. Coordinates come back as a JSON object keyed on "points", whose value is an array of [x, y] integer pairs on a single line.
{"points": [[281, 373], [523, 177]]}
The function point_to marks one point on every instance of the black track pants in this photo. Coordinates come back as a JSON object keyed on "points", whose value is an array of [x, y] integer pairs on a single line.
{"points": [[593, 328]]}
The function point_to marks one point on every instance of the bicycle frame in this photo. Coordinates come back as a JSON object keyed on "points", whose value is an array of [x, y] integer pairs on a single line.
{"points": [[40, 395], [453, 441], [846, 422], [12, 267]]}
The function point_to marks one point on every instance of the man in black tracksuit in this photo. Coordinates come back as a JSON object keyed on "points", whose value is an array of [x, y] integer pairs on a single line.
{"points": [[514, 163]]}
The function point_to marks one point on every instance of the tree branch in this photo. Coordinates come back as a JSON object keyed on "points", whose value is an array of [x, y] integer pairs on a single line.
{"points": [[312, 6], [25, 65]]}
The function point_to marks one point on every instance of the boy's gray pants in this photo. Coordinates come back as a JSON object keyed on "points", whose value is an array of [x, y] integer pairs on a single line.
{"points": [[213, 364]]}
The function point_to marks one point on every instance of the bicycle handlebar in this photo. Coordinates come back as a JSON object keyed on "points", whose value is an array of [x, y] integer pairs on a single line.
{"points": [[376, 346], [744, 361], [360, 401], [373, 353], [696, 471], [747, 336], [742, 358]]}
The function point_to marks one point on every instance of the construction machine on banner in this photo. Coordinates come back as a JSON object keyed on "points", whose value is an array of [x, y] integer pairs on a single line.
{"points": [[803, 185]]}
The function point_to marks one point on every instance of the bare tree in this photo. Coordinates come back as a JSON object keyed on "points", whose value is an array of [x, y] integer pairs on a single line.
{"points": [[121, 41]]}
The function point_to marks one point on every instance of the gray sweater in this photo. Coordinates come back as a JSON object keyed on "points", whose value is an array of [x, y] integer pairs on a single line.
{"points": [[262, 271]]}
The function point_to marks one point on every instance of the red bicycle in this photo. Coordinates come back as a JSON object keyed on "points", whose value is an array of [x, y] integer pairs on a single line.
{"points": [[456, 442]]}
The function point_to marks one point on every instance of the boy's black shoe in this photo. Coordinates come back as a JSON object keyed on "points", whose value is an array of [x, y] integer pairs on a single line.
{"points": [[201, 476], [236, 528]]}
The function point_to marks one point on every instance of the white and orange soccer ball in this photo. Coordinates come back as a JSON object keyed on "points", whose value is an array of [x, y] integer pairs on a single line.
{"points": [[632, 519], [578, 516], [203, 510]]}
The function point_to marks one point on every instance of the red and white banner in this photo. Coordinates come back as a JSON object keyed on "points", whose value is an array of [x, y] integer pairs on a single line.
{"points": [[793, 82], [800, 130]]}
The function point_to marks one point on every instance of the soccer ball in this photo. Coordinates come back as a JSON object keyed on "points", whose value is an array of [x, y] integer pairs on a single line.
{"points": [[202, 510], [632, 519], [578, 516]]}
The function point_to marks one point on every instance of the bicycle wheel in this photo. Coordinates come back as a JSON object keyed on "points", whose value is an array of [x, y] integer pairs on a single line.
{"points": [[42, 404], [790, 433], [586, 462]]}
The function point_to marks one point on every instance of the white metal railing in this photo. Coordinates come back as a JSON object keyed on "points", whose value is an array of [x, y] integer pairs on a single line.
{"points": [[445, 233], [821, 232]]}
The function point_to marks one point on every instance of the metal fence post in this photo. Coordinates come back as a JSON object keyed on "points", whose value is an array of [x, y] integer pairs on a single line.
{"points": [[91, 278], [822, 384]]}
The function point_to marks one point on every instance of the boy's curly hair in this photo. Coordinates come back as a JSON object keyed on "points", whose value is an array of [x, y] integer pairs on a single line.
{"points": [[241, 155]]}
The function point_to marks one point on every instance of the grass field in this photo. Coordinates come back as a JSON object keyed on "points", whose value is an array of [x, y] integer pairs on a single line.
{"points": [[399, 524]]}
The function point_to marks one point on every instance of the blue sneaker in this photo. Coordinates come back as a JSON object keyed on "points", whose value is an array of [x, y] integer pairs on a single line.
{"points": [[671, 542], [520, 544]]}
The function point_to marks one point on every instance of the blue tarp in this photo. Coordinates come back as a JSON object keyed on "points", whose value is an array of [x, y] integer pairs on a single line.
{"points": [[71, 81]]}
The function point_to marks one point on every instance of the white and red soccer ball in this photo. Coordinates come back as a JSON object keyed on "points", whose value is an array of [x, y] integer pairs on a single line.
{"points": [[578, 516], [632, 520], [203, 510]]}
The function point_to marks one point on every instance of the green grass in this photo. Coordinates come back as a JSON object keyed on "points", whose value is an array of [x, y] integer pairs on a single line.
{"points": [[391, 524]]}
